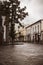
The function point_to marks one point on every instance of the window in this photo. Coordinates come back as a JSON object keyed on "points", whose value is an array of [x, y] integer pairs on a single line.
{"points": [[38, 28], [35, 28]]}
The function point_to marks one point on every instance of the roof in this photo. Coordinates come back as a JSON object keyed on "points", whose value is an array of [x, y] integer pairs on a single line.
{"points": [[35, 23]]}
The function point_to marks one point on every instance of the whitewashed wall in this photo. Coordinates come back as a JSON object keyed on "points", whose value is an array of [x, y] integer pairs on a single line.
{"points": [[33, 29], [28, 30], [42, 25]]}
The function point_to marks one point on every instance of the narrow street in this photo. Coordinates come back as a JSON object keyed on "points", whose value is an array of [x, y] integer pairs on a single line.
{"points": [[26, 54]]}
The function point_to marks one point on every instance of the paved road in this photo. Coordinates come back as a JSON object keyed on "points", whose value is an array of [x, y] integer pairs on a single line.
{"points": [[26, 54]]}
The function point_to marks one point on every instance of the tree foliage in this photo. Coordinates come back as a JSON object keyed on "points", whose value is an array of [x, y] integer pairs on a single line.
{"points": [[13, 13], [13, 10]]}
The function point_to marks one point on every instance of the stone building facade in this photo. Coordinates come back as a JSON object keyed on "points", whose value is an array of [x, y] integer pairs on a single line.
{"points": [[20, 33]]}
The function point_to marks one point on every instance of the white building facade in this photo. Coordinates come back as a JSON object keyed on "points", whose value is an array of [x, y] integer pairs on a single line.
{"points": [[35, 31]]}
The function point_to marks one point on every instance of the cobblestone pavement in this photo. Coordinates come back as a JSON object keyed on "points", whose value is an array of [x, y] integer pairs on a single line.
{"points": [[26, 54]]}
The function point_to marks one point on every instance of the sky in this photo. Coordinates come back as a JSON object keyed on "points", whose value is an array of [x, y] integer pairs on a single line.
{"points": [[34, 9]]}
